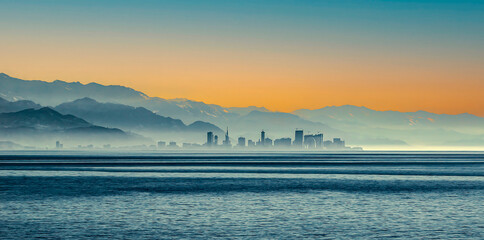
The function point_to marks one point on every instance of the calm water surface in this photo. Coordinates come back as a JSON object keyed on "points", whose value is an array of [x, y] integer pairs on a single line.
{"points": [[271, 196]]}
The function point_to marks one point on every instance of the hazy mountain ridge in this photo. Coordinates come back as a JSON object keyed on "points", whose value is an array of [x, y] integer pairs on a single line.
{"points": [[418, 127], [365, 117], [132, 119], [57, 92], [43, 118], [136, 119], [34, 126], [7, 106], [203, 127], [359, 125], [186, 110], [246, 110], [118, 115], [368, 117]]}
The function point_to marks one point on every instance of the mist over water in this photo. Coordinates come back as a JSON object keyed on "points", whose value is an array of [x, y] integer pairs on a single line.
{"points": [[252, 195]]}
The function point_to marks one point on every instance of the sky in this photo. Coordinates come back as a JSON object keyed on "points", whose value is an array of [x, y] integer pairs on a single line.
{"points": [[281, 54]]}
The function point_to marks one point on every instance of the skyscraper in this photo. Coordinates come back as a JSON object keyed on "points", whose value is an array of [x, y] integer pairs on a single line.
{"points": [[313, 141], [319, 140], [226, 142], [262, 137], [298, 138], [209, 139]]}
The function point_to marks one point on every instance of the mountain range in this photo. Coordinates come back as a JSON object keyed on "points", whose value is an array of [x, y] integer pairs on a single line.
{"points": [[131, 110], [89, 112], [7, 106], [134, 119], [43, 119], [352, 116], [58, 92], [418, 128], [32, 126]]}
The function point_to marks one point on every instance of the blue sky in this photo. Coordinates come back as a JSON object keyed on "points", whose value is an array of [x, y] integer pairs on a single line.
{"points": [[411, 41]]}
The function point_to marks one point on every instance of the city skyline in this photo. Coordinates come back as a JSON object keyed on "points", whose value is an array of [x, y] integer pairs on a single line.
{"points": [[301, 141], [388, 55]]}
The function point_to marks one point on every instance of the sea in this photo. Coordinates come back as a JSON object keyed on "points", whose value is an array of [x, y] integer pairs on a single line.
{"points": [[258, 195]]}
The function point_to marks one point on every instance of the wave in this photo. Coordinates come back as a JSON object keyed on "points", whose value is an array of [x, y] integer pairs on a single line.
{"points": [[42, 187], [416, 171]]}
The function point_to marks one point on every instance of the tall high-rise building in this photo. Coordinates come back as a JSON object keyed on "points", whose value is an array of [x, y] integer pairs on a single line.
{"points": [[309, 141], [313, 141], [262, 137], [241, 142], [226, 142], [209, 139], [298, 138], [319, 140]]}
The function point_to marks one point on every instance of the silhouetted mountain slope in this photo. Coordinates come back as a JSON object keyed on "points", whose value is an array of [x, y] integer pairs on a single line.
{"points": [[58, 92], [54, 93], [6, 106], [203, 127], [140, 119], [96, 130], [119, 115], [45, 125], [44, 118], [136, 119]]}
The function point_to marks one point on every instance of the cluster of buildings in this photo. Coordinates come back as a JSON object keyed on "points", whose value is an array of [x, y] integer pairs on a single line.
{"points": [[301, 141], [59, 145]]}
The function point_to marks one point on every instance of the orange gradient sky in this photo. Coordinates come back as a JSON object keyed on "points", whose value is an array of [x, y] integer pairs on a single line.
{"points": [[280, 65]]}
